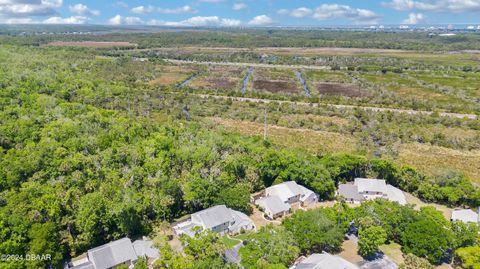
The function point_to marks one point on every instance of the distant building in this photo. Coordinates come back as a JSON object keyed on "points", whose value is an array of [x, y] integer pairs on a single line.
{"points": [[116, 253], [220, 219], [448, 34], [369, 189], [323, 261], [466, 215]]}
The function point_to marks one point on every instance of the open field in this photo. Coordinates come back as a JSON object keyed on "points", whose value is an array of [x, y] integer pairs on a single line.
{"points": [[312, 141], [349, 90], [173, 74], [426, 158], [407, 88], [91, 44], [275, 80], [226, 78], [431, 159], [459, 58], [396, 90]]}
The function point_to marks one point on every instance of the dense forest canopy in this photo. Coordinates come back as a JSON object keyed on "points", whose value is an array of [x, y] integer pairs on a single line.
{"points": [[90, 152]]}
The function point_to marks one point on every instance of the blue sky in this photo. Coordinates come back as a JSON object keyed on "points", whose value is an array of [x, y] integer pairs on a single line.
{"points": [[241, 12]]}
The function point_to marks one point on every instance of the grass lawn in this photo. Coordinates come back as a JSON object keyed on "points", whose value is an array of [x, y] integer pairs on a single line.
{"points": [[243, 236], [230, 242], [393, 251]]}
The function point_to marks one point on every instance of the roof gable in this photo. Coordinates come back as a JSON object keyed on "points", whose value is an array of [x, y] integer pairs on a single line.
{"points": [[213, 216], [112, 254], [273, 204], [349, 191], [371, 185], [465, 215], [325, 261]]}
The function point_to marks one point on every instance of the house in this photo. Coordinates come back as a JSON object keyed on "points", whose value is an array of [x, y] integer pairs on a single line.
{"points": [[371, 188], [368, 189], [273, 206], [290, 192], [466, 215], [350, 193], [396, 195], [114, 254], [219, 219], [144, 248], [323, 261]]}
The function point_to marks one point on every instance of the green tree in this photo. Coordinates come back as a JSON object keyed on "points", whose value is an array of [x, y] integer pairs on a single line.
{"points": [[205, 245], [469, 257], [44, 240], [271, 247], [141, 263], [313, 231], [428, 239], [369, 239]]}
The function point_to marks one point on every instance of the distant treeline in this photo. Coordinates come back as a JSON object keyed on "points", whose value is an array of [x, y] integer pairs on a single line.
{"points": [[246, 38]]}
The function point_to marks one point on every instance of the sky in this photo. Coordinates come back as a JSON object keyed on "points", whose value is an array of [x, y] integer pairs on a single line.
{"points": [[235, 13]]}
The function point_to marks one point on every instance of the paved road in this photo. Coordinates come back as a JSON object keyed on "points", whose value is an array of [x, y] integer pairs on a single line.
{"points": [[313, 67], [368, 108]]}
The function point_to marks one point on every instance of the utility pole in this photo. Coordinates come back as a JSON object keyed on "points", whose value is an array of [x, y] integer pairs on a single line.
{"points": [[265, 124]]}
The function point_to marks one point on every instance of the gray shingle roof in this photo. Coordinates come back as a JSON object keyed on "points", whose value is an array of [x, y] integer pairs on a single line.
{"points": [[241, 220], [325, 261], [371, 185], [87, 265], [112, 254], [465, 215], [396, 195], [273, 204], [144, 248], [349, 191], [214, 216], [287, 190]]}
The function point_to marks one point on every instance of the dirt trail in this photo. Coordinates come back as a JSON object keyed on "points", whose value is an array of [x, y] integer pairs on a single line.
{"points": [[368, 108], [296, 67]]}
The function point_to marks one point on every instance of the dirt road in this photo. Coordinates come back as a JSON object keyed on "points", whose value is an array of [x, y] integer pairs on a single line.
{"points": [[296, 67], [368, 108]]}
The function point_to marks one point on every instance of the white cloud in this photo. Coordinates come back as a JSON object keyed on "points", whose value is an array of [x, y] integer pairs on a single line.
{"points": [[83, 10], [301, 12], [261, 20], [197, 21], [239, 6], [143, 9], [435, 5], [116, 20], [414, 18], [18, 9], [230, 22], [69, 20], [205, 21], [153, 9], [119, 20], [334, 11]]}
